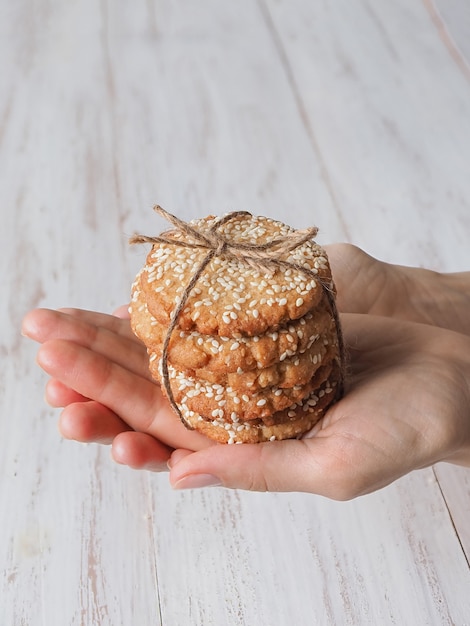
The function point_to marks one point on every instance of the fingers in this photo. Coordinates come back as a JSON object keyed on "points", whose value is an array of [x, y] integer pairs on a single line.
{"points": [[90, 422], [354, 273], [94, 376], [118, 324], [137, 401], [140, 451], [111, 339], [294, 465], [59, 395], [337, 465], [41, 324], [122, 312]]}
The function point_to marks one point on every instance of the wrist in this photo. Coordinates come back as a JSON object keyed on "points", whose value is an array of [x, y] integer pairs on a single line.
{"points": [[434, 298]]}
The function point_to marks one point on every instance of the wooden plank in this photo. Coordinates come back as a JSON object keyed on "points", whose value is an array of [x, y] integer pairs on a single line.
{"points": [[452, 21], [389, 110], [455, 484], [241, 558], [279, 108], [78, 543]]}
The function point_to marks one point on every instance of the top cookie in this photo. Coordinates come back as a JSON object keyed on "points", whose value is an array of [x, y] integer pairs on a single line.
{"points": [[232, 296]]}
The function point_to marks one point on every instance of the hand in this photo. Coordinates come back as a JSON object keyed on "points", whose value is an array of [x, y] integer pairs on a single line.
{"points": [[99, 373], [407, 406], [366, 285]]}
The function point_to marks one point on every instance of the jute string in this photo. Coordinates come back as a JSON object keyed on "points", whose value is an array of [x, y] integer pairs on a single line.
{"points": [[264, 257]]}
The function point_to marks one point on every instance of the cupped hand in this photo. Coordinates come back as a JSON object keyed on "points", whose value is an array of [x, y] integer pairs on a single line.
{"points": [[99, 370], [99, 374], [407, 406]]}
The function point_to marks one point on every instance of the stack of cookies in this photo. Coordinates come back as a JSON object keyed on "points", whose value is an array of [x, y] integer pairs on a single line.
{"points": [[246, 350]]}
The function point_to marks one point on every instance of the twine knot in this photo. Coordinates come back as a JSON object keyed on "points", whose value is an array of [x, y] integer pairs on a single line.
{"points": [[265, 256]]}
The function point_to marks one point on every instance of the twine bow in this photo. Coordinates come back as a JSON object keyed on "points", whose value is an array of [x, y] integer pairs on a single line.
{"points": [[265, 256]]}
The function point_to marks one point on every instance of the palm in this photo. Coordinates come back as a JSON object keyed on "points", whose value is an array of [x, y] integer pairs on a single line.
{"points": [[401, 411], [389, 421]]}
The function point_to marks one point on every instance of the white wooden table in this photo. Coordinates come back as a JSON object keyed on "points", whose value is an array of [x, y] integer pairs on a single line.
{"points": [[353, 115]]}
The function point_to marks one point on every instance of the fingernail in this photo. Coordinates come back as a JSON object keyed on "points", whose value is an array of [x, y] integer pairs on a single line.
{"points": [[197, 481], [177, 456]]}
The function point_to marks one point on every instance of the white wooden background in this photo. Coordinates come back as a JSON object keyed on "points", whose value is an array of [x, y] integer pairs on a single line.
{"points": [[350, 114]]}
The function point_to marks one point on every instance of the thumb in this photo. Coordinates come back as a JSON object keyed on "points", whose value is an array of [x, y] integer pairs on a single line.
{"points": [[293, 465]]}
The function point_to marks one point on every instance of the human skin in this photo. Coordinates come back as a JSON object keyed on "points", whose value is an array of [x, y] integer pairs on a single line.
{"points": [[407, 403]]}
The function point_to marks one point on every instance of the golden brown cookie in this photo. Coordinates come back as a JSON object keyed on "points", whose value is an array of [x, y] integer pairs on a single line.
{"points": [[245, 308], [291, 371], [292, 422], [231, 296], [213, 400], [196, 351]]}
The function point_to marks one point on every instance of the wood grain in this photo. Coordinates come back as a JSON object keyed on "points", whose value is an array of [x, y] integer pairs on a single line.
{"points": [[351, 115]]}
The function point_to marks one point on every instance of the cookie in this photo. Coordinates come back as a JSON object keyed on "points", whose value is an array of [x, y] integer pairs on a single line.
{"points": [[238, 317], [194, 350], [232, 296], [213, 400], [296, 369], [292, 422]]}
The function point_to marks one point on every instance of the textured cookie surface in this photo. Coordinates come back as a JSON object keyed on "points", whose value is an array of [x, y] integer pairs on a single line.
{"points": [[213, 400], [193, 350], [292, 371], [230, 296], [296, 420]]}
